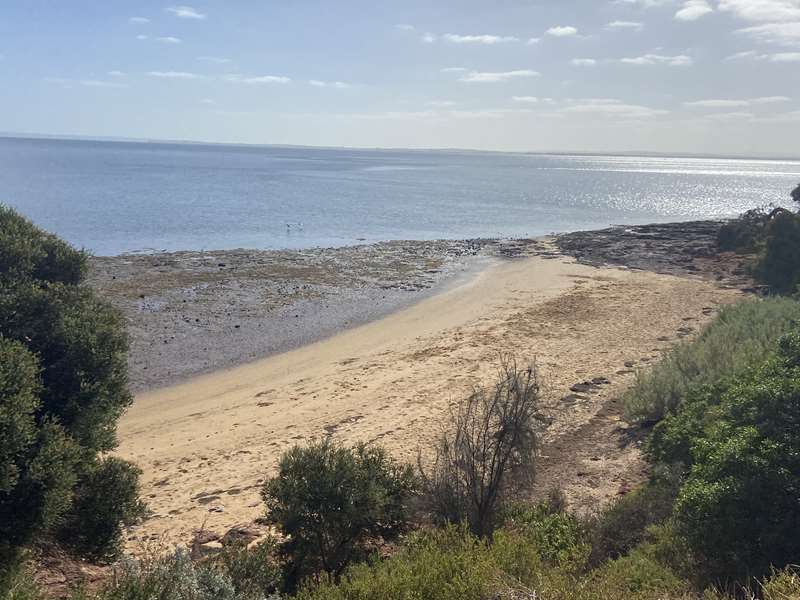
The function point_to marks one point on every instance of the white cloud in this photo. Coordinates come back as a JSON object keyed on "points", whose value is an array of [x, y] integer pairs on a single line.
{"points": [[216, 60], [645, 3], [770, 100], [101, 84], [186, 12], [657, 59], [138, 20], [724, 103], [495, 77], [173, 75], [583, 62], [257, 80], [631, 25], [730, 116], [441, 103], [785, 34], [533, 41], [168, 40], [429, 38], [116, 74], [526, 99], [763, 10], [785, 57], [452, 70], [562, 31], [334, 84], [693, 10], [611, 108], [208, 101], [747, 55], [93, 83], [405, 27], [142, 37], [479, 39], [717, 103]]}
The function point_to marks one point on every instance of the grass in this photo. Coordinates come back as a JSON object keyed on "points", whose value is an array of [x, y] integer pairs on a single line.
{"points": [[738, 338]]}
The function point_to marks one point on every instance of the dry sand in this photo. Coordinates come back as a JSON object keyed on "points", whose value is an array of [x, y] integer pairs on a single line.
{"points": [[205, 445]]}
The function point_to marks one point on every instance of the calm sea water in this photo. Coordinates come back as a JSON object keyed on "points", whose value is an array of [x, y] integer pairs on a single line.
{"points": [[114, 197]]}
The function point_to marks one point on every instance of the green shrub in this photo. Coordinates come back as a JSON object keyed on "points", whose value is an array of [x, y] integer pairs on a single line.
{"points": [[560, 538], [779, 266], [106, 498], [17, 583], [745, 233], [59, 410], [445, 564], [174, 577], [332, 501], [738, 508], [28, 253], [254, 572], [623, 525], [740, 336]]}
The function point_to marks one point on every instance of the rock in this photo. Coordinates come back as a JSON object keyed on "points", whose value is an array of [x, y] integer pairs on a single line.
{"points": [[240, 535], [583, 388], [205, 536], [210, 547]]}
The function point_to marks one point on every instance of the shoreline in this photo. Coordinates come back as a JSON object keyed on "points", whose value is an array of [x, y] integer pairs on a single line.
{"points": [[191, 313], [206, 444]]}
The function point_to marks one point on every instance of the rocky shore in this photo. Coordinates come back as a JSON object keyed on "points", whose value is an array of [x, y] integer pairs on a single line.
{"points": [[191, 313], [194, 312]]}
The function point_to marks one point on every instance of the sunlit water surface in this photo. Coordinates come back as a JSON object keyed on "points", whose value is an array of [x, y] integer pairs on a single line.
{"points": [[114, 197]]}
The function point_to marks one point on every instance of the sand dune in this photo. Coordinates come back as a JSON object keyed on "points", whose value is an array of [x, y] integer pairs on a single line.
{"points": [[205, 445]]}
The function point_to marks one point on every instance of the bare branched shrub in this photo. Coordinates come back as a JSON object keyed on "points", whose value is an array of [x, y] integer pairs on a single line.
{"points": [[491, 435]]}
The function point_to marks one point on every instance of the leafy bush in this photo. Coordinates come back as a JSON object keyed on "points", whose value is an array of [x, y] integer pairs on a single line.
{"points": [[254, 572], [779, 267], [560, 538], [739, 506], [491, 436], [622, 526], [331, 501], [174, 577], [745, 233], [59, 410], [17, 583], [106, 497], [28, 253], [740, 336]]}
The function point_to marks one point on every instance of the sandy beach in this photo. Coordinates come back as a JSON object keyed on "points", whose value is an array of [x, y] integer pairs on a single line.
{"points": [[206, 444]]}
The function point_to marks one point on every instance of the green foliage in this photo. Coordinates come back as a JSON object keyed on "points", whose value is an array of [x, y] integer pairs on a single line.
{"points": [[452, 564], [623, 525], [331, 501], [170, 578], [17, 583], [738, 338], [63, 386], [745, 233], [28, 253], [779, 266], [254, 572], [106, 498], [740, 444], [560, 538]]}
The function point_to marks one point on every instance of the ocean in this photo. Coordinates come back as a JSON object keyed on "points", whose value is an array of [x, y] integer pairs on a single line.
{"points": [[117, 197]]}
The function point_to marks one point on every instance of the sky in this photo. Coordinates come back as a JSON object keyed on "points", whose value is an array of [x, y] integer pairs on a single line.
{"points": [[695, 76]]}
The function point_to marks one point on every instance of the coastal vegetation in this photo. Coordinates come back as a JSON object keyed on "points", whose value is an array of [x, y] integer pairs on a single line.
{"points": [[716, 519], [772, 236], [63, 384]]}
